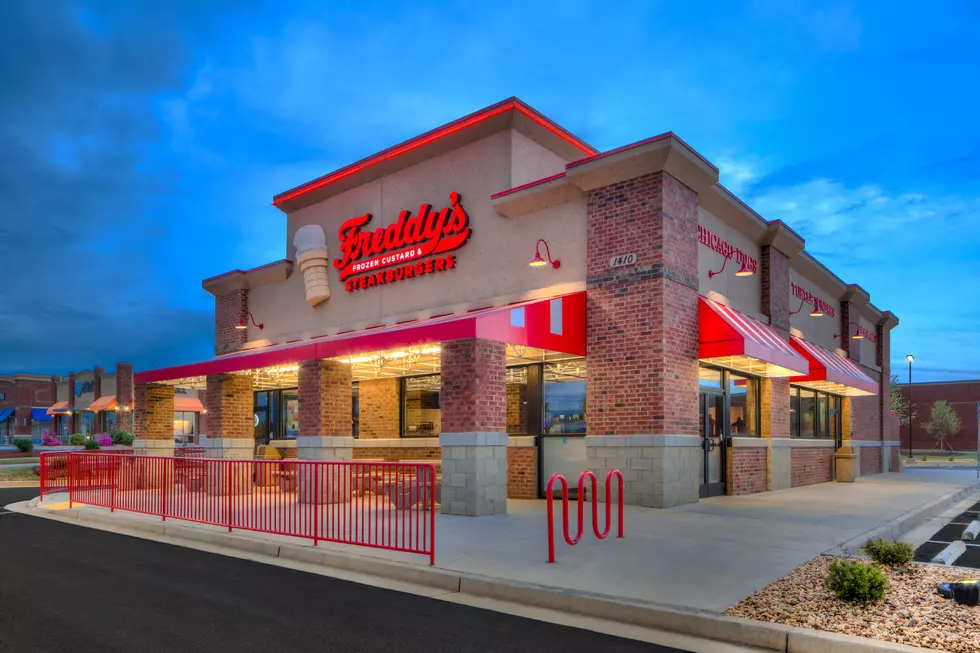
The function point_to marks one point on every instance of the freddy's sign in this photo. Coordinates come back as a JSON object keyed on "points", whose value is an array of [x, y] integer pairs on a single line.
{"points": [[402, 249]]}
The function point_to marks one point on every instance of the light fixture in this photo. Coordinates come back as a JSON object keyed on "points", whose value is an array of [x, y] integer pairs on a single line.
{"points": [[242, 324], [537, 261], [743, 271], [816, 312], [910, 358], [857, 332]]}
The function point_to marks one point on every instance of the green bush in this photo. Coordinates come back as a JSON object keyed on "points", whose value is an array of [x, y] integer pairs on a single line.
{"points": [[889, 553], [855, 581], [122, 437], [91, 445], [24, 444], [77, 439]]}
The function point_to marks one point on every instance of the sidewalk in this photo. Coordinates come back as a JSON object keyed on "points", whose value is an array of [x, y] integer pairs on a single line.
{"points": [[705, 556]]}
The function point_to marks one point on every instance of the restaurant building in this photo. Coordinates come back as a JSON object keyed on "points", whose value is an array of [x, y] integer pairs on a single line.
{"points": [[500, 297], [24, 402], [962, 396]]}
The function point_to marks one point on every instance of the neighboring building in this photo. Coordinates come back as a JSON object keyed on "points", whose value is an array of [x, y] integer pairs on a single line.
{"points": [[24, 402], [963, 396], [406, 323]]}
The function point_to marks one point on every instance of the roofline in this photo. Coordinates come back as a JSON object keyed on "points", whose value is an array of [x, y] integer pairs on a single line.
{"points": [[255, 269], [511, 103], [646, 141]]}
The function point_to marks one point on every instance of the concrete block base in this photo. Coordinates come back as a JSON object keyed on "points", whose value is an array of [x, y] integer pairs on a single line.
{"points": [[325, 447], [230, 448], [659, 471], [779, 465], [474, 473], [153, 447]]}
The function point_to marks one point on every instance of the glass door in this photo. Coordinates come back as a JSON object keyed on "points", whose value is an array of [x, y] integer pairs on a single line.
{"points": [[714, 434]]}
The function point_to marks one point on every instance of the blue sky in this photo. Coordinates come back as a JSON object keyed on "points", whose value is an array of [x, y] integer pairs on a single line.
{"points": [[142, 144]]}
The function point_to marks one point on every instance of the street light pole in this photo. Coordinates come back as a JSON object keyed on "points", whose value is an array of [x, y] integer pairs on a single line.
{"points": [[910, 358]]}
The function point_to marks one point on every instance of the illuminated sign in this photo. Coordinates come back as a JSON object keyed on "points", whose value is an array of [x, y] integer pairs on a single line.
{"points": [[727, 250], [81, 387], [865, 333], [396, 252], [809, 298]]}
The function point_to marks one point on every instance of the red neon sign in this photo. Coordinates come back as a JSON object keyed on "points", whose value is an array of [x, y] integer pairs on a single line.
{"points": [[809, 298], [408, 240], [723, 247]]}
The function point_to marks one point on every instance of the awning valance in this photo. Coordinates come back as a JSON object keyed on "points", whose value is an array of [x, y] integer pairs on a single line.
{"points": [[59, 407], [832, 373], [730, 339], [107, 402], [6, 413], [188, 405], [40, 415], [555, 324]]}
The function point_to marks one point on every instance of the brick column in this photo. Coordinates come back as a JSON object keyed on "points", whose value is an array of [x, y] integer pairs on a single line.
{"points": [[154, 416], [642, 339], [774, 268], [849, 313], [324, 411], [474, 427], [71, 403], [124, 397], [231, 425], [379, 403], [228, 311]]}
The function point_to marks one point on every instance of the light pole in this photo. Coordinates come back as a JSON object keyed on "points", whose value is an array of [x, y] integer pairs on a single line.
{"points": [[910, 358]]}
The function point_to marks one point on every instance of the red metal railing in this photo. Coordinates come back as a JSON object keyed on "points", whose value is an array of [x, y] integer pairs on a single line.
{"points": [[380, 505], [53, 467], [581, 508]]}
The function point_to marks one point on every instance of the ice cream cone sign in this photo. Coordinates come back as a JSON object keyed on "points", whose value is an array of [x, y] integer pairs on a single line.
{"points": [[313, 261]]}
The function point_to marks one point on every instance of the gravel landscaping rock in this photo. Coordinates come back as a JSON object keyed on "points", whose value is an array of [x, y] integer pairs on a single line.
{"points": [[912, 613]]}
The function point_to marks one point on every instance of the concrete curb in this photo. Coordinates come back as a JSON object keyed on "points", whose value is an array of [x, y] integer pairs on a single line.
{"points": [[902, 525], [707, 625]]}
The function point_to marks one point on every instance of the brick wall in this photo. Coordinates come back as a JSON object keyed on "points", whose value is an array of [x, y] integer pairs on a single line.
{"points": [[774, 268], [324, 398], [230, 406], [962, 397], [746, 470], [517, 408], [396, 454], [811, 465], [866, 413], [124, 396], [522, 472], [154, 412], [379, 409], [774, 405], [474, 386], [228, 310], [870, 460], [642, 328]]}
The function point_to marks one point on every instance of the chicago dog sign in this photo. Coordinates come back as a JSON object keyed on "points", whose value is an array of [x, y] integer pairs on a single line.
{"points": [[396, 252]]}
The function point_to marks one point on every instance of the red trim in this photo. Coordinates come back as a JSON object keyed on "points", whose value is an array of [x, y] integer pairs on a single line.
{"points": [[529, 184], [428, 137], [826, 365], [723, 331], [228, 274], [492, 324]]}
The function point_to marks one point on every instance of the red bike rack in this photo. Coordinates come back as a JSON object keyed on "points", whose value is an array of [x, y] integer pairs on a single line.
{"points": [[581, 508]]}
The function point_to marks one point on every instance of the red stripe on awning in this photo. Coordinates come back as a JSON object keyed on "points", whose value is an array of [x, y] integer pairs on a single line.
{"points": [[827, 366], [529, 323], [724, 332]]}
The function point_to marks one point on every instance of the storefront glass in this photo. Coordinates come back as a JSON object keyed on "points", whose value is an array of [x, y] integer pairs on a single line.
{"points": [[813, 414], [517, 400], [710, 377], [422, 413], [290, 419], [564, 397], [355, 410], [184, 426], [808, 412], [85, 422], [743, 392]]}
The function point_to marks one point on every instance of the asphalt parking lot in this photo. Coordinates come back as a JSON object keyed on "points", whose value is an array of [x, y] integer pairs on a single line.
{"points": [[952, 532]]}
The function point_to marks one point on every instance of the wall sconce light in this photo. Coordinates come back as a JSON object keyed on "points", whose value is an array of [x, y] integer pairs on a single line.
{"points": [[857, 334], [242, 324], [537, 261], [743, 271], [816, 312]]}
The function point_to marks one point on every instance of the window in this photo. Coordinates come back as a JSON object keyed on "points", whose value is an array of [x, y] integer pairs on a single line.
{"points": [[517, 401], [184, 426], [422, 413], [290, 418], [564, 397], [743, 393], [355, 410], [709, 377], [814, 414]]}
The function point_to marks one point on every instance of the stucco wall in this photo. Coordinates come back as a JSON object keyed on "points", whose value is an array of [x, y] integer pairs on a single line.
{"points": [[109, 385], [818, 330], [492, 267], [743, 293]]}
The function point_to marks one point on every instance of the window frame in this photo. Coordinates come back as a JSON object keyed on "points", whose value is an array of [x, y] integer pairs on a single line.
{"points": [[725, 389], [833, 408]]}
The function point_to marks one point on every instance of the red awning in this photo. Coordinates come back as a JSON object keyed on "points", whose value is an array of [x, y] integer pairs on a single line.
{"points": [[188, 405], [832, 373], [107, 402], [555, 324], [730, 339]]}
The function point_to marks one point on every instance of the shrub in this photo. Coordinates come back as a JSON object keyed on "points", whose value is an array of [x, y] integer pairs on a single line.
{"points": [[122, 437], [77, 439], [91, 445], [105, 441], [856, 581], [49, 439], [36, 470], [24, 444], [889, 553]]}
